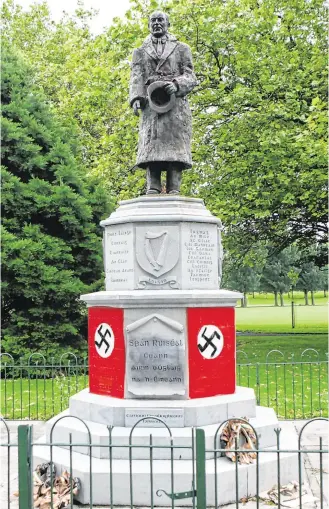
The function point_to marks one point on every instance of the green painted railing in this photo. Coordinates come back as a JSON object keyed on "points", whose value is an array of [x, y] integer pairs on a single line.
{"points": [[199, 453]]}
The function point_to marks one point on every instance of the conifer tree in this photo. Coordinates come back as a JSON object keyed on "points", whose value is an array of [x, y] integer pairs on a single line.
{"points": [[51, 241]]}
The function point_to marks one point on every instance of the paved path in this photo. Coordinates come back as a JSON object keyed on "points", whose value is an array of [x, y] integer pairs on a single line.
{"points": [[311, 461]]}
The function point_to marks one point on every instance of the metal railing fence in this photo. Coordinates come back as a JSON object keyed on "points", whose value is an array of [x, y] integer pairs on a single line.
{"points": [[38, 390], [296, 389], [201, 489]]}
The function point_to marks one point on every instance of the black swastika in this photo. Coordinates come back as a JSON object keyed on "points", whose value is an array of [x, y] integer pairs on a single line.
{"points": [[209, 342], [103, 338]]}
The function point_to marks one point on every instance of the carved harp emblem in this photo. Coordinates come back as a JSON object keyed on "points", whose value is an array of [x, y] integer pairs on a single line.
{"points": [[157, 262], [157, 252]]}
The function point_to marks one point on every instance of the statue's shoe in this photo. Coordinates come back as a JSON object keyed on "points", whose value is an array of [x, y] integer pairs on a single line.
{"points": [[174, 191], [152, 191]]}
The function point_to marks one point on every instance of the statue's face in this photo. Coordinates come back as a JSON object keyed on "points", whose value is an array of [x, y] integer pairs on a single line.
{"points": [[158, 24]]}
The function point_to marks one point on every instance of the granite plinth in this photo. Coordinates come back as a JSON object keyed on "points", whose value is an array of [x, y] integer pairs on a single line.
{"points": [[161, 243], [197, 412], [264, 423]]}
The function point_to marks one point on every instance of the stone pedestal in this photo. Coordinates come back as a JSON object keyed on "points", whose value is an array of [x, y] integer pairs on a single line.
{"points": [[162, 355], [162, 329], [161, 243]]}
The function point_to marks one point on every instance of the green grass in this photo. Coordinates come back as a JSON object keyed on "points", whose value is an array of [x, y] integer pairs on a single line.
{"points": [[257, 347], [267, 299], [38, 398], [308, 319], [293, 388]]}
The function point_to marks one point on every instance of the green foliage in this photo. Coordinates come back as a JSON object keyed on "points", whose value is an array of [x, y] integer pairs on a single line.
{"points": [[278, 271], [242, 278], [260, 128], [259, 111], [51, 245]]}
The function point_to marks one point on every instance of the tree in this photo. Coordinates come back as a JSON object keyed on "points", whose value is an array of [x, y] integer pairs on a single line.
{"points": [[259, 111], [260, 118], [50, 233], [293, 276], [279, 272], [244, 279], [310, 280], [324, 280]]}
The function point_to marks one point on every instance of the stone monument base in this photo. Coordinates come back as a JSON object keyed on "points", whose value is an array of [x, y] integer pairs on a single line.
{"points": [[175, 413], [111, 467]]}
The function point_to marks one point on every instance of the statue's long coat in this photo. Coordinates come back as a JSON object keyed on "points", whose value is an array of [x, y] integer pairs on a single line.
{"points": [[166, 136]]}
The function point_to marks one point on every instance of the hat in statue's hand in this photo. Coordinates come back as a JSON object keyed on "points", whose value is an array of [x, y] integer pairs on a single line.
{"points": [[159, 99]]}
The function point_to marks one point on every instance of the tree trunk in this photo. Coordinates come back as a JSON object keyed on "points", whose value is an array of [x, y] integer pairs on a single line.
{"points": [[245, 300], [312, 298], [306, 297], [324, 293], [281, 299], [276, 298], [253, 294]]}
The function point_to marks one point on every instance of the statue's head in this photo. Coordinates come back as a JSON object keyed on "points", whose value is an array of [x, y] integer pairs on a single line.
{"points": [[158, 23]]}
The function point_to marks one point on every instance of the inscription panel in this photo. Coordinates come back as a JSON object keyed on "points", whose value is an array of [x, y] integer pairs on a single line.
{"points": [[119, 257], [200, 256], [155, 358], [174, 418]]}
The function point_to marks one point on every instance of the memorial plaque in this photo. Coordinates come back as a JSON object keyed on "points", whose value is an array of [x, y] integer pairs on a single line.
{"points": [[200, 255], [119, 257], [174, 418], [155, 357]]}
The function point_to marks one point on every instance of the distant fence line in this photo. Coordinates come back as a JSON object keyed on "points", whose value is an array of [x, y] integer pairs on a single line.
{"points": [[39, 389]]}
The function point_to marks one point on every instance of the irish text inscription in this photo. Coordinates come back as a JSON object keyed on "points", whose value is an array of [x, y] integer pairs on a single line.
{"points": [[119, 257], [155, 357], [199, 257]]}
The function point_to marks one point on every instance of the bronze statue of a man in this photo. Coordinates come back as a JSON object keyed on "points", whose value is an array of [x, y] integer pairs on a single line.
{"points": [[161, 77]]}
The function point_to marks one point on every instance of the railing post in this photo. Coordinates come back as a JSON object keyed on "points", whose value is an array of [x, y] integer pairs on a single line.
{"points": [[257, 384], [25, 466], [200, 452]]}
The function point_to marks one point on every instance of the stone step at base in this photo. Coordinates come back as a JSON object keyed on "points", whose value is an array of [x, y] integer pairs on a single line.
{"points": [[265, 422], [162, 476], [195, 412]]}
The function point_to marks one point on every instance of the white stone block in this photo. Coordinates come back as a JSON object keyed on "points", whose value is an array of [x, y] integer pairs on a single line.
{"points": [[197, 412]]}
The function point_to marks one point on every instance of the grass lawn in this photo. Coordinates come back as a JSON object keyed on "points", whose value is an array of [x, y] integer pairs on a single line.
{"points": [[38, 398], [295, 385], [267, 299], [256, 348], [278, 319]]}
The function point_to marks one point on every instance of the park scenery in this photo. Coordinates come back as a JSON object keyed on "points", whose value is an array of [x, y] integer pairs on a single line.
{"points": [[258, 100]]}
